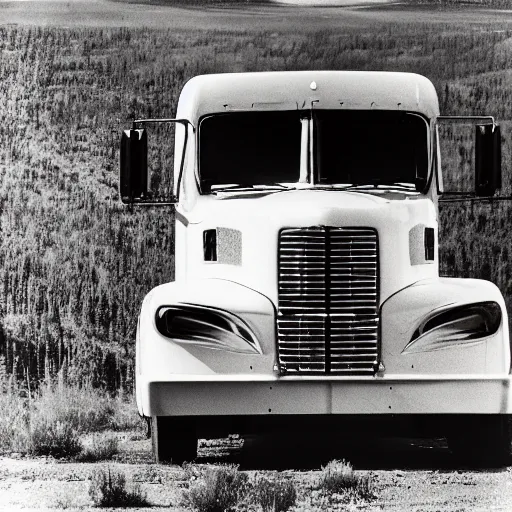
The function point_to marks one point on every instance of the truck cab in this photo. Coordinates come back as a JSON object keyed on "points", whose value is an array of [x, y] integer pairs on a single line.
{"points": [[307, 283]]}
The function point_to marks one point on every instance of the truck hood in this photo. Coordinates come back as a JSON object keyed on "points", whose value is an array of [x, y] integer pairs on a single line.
{"points": [[248, 226], [312, 202]]}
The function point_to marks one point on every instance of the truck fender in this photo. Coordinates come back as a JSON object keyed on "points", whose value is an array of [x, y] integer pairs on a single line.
{"points": [[250, 315], [405, 316]]}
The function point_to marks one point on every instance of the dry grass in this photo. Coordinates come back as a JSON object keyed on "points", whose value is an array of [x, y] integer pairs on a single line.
{"points": [[108, 489], [224, 488], [14, 420], [339, 477], [51, 420], [83, 409], [55, 439], [100, 448], [216, 488], [274, 494]]}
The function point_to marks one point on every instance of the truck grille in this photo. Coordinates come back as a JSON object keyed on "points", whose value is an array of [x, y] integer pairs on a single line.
{"points": [[328, 319]]}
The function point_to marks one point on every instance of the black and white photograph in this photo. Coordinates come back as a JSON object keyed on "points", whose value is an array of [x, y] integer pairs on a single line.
{"points": [[254, 255]]}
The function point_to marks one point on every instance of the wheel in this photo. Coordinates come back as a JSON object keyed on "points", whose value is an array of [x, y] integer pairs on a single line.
{"points": [[174, 439], [481, 440]]}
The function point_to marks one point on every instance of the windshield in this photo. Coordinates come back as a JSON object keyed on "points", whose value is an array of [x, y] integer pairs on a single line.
{"points": [[370, 147], [319, 147], [249, 148]]}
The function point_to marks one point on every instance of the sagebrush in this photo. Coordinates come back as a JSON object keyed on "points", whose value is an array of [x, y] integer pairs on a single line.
{"points": [[339, 477], [51, 419], [56, 439], [217, 489], [100, 448], [108, 488], [275, 494]]}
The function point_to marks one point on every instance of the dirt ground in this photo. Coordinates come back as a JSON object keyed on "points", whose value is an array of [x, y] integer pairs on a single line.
{"points": [[410, 475]]}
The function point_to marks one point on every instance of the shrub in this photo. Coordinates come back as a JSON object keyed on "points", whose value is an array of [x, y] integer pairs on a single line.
{"points": [[101, 448], [87, 409], [339, 477], [275, 495], [54, 438], [14, 420], [33, 422], [83, 408], [108, 489], [218, 488], [124, 414]]}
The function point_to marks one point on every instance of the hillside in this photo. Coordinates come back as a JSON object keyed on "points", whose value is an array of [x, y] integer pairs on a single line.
{"points": [[75, 264], [495, 4]]}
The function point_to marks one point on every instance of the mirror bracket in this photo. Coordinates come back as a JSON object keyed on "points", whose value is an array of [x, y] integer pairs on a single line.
{"points": [[476, 119]]}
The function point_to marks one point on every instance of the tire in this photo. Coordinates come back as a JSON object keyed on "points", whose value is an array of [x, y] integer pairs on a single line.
{"points": [[481, 440], [174, 439]]}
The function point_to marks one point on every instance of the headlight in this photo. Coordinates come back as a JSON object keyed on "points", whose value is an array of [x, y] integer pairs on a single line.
{"points": [[207, 327], [452, 326]]}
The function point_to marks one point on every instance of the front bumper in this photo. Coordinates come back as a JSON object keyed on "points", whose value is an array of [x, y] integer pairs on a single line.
{"points": [[253, 395]]}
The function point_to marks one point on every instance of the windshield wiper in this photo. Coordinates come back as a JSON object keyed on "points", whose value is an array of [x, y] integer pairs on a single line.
{"points": [[392, 185], [244, 186], [371, 186]]}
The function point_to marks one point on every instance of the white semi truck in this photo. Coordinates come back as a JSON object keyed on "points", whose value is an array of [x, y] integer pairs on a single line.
{"points": [[307, 286]]}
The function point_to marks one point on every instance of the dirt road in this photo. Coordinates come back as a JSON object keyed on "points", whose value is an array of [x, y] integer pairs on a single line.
{"points": [[410, 475]]}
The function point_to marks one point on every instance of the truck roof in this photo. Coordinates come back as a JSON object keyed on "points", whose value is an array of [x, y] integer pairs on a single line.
{"points": [[290, 90]]}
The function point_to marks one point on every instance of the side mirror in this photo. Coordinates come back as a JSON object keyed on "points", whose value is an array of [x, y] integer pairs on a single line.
{"points": [[134, 166], [487, 159], [153, 185]]}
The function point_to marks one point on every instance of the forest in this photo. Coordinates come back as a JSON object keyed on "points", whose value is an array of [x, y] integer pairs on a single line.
{"points": [[75, 263]]}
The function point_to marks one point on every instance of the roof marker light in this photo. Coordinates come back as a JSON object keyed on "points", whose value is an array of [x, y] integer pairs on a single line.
{"points": [[312, 86]]}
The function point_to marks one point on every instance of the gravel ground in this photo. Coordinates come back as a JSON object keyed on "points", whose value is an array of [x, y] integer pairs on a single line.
{"points": [[409, 475]]}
